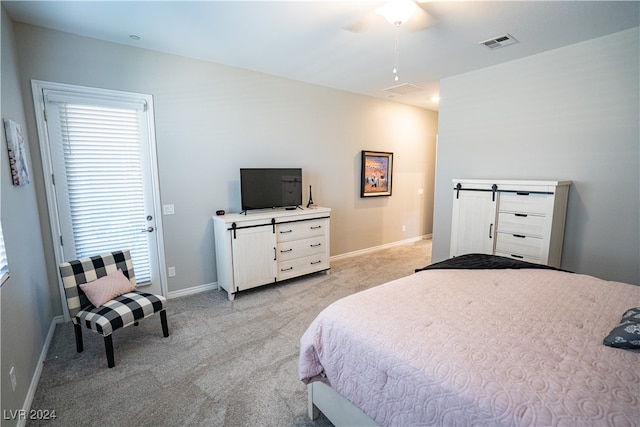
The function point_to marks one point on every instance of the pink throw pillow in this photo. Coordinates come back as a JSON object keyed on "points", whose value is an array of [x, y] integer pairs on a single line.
{"points": [[107, 288]]}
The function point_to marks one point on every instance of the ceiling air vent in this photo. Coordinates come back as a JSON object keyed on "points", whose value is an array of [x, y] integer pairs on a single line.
{"points": [[403, 89], [500, 41]]}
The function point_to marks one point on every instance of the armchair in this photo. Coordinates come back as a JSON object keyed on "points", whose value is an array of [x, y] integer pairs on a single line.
{"points": [[118, 312]]}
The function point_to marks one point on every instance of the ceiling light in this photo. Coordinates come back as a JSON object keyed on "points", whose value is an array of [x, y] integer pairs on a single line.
{"points": [[397, 12], [435, 99]]}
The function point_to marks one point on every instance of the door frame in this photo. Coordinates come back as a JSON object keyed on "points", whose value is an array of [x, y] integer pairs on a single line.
{"points": [[37, 87]]}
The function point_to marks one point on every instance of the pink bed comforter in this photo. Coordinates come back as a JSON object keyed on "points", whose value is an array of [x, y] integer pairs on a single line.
{"points": [[480, 347]]}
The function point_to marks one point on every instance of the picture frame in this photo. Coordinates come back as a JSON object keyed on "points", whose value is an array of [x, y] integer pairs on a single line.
{"points": [[17, 152], [377, 174]]}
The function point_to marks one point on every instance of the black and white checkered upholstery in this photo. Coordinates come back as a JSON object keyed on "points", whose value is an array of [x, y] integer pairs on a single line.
{"points": [[121, 312], [85, 270], [117, 313]]}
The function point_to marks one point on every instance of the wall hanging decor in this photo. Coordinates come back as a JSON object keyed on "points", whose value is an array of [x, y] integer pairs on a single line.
{"points": [[377, 171], [17, 153]]}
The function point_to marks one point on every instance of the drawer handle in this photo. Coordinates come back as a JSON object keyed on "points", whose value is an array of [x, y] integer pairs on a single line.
{"points": [[315, 262], [517, 256], [286, 250], [520, 236], [491, 231], [522, 193], [316, 227], [316, 245], [285, 231], [286, 269], [522, 215]]}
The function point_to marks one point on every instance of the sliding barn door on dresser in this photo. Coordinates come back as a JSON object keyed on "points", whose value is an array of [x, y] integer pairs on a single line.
{"points": [[474, 218], [517, 219]]}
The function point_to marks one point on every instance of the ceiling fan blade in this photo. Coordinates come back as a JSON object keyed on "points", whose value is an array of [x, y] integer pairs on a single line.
{"points": [[421, 19], [361, 24]]}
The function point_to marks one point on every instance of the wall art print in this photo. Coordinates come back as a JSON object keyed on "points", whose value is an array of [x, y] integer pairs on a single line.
{"points": [[377, 171], [17, 153]]}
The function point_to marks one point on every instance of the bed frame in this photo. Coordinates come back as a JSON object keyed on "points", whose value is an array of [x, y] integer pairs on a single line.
{"points": [[336, 408]]}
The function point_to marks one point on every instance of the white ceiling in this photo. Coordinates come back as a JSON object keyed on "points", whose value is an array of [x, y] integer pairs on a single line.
{"points": [[307, 40]]}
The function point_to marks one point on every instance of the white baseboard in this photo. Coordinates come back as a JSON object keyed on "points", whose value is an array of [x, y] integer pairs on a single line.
{"points": [[193, 290], [377, 248], [36, 375]]}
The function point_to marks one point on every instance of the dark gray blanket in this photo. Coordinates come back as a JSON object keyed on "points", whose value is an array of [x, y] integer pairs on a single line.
{"points": [[483, 262]]}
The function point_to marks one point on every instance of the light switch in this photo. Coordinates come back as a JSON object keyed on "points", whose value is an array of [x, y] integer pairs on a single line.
{"points": [[168, 209]]}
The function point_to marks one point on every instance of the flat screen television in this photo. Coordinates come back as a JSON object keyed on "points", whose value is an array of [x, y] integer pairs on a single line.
{"points": [[262, 188]]}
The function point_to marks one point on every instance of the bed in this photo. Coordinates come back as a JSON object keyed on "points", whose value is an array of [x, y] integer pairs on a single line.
{"points": [[477, 340]]}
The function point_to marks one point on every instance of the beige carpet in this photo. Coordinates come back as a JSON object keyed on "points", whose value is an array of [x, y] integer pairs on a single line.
{"points": [[224, 364]]}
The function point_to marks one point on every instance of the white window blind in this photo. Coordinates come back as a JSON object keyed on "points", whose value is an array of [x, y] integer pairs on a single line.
{"points": [[103, 167], [4, 266]]}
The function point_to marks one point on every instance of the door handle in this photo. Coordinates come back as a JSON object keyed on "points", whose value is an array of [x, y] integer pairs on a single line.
{"points": [[147, 230]]}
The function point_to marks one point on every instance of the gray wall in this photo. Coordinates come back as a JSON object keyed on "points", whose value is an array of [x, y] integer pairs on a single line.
{"points": [[211, 120], [569, 114], [28, 305]]}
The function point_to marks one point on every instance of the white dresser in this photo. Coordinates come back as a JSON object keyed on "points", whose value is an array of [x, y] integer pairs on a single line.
{"points": [[517, 219], [267, 246]]}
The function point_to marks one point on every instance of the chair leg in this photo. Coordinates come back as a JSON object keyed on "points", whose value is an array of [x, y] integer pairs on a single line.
{"points": [[78, 331], [108, 345], [163, 320]]}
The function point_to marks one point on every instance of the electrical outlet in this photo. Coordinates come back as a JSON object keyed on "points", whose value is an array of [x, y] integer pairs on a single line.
{"points": [[12, 375], [404, 228], [172, 271]]}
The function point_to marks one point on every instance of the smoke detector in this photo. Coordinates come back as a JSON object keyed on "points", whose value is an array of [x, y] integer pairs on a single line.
{"points": [[498, 42]]}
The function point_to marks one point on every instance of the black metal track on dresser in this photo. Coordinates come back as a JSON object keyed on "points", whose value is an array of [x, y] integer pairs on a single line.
{"points": [[273, 223], [235, 227], [494, 189], [303, 220]]}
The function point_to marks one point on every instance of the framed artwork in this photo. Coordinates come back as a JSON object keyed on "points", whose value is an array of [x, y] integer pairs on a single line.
{"points": [[17, 153], [377, 172]]}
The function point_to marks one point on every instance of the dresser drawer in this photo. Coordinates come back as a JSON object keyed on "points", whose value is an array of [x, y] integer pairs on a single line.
{"points": [[304, 265], [522, 223], [301, 248], [519, 244], [301, 230], [526, 203], [520, 257]]}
